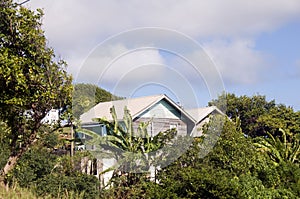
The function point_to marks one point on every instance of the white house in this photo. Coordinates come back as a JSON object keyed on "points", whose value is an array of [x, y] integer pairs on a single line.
{"points": [[163, 113]]}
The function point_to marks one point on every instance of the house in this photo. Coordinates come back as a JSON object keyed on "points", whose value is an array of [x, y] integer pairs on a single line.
{"points": [[163, 113], [202, 116], [160, 110]]}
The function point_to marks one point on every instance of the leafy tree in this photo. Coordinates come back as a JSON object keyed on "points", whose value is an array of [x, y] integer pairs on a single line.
{"points": [[233, 169], [32, 82], [280, 117], [282, 128], [246, 109]]}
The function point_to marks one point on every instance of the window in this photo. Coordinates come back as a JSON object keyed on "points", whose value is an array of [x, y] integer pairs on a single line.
{"points": [[80, 135], [100, 129]]}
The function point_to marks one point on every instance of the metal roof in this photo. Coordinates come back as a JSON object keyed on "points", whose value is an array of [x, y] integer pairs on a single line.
{"points": [[136, 106], [201, 113]]}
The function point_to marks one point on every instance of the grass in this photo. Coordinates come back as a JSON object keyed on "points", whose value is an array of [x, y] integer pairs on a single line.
{"points": [[16, 192]]}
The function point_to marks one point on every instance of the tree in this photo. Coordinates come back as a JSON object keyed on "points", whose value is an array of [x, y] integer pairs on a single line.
{"points": [[279, 117], [233, 169], [32, 81], [281, 126], [246, 109]]}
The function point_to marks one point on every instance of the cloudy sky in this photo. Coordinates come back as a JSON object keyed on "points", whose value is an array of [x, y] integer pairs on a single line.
{"points": [[244, 47]]}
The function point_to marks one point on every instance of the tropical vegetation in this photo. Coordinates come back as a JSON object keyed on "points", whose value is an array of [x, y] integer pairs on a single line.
{"points": [[251, 153]]}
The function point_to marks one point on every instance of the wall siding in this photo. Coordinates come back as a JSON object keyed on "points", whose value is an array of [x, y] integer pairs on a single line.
{"points": [[161, 110], [162, 124]]}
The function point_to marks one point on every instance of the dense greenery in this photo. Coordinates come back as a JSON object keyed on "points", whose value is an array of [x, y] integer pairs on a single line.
{"points": [[32, 80], [234, 169], [239, 166], [47, 174], [85, 96], [246, 109]]}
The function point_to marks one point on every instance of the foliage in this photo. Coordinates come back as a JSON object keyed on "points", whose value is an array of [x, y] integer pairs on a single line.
{"points": [[246, 109], [50, 140], [85, 96], [49, 175], [53, 184], [143, 189], [33, 165], [133, 149], [4, 144], [233, 169], [280, 117], [281, 149], [32, 81]]}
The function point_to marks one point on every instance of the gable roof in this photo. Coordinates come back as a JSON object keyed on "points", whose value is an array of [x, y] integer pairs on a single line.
{"points": [[136, 106], [200, 114]]}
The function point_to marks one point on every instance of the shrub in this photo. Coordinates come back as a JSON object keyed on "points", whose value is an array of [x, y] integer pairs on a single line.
{"points": [[57, 185]]}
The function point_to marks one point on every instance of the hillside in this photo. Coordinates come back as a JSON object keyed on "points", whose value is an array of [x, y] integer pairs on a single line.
{"points": [[86, 96]]}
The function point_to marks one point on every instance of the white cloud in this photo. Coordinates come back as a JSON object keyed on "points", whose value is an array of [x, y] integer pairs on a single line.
{"points": [[74, 27], [116, 63], [238, 61], [78, 19]]}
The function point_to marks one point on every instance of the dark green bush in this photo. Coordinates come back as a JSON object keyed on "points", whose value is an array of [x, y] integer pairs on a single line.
{"points": [[57, 185], [34, 164]]}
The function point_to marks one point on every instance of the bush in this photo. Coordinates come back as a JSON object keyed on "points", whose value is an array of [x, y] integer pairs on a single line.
{"points": [[34, 164], [57, 185]]}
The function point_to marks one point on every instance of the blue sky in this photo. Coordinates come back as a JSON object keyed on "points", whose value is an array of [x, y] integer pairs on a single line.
{"points": [[282, 81], [254, 46]]}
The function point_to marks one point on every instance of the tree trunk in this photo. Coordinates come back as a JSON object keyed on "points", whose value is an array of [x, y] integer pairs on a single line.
{"points": [[14, 157], [10, 164]]}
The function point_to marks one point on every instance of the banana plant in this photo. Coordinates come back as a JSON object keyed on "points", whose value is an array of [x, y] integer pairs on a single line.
{"points": [[280, 150], [130, 147]]}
